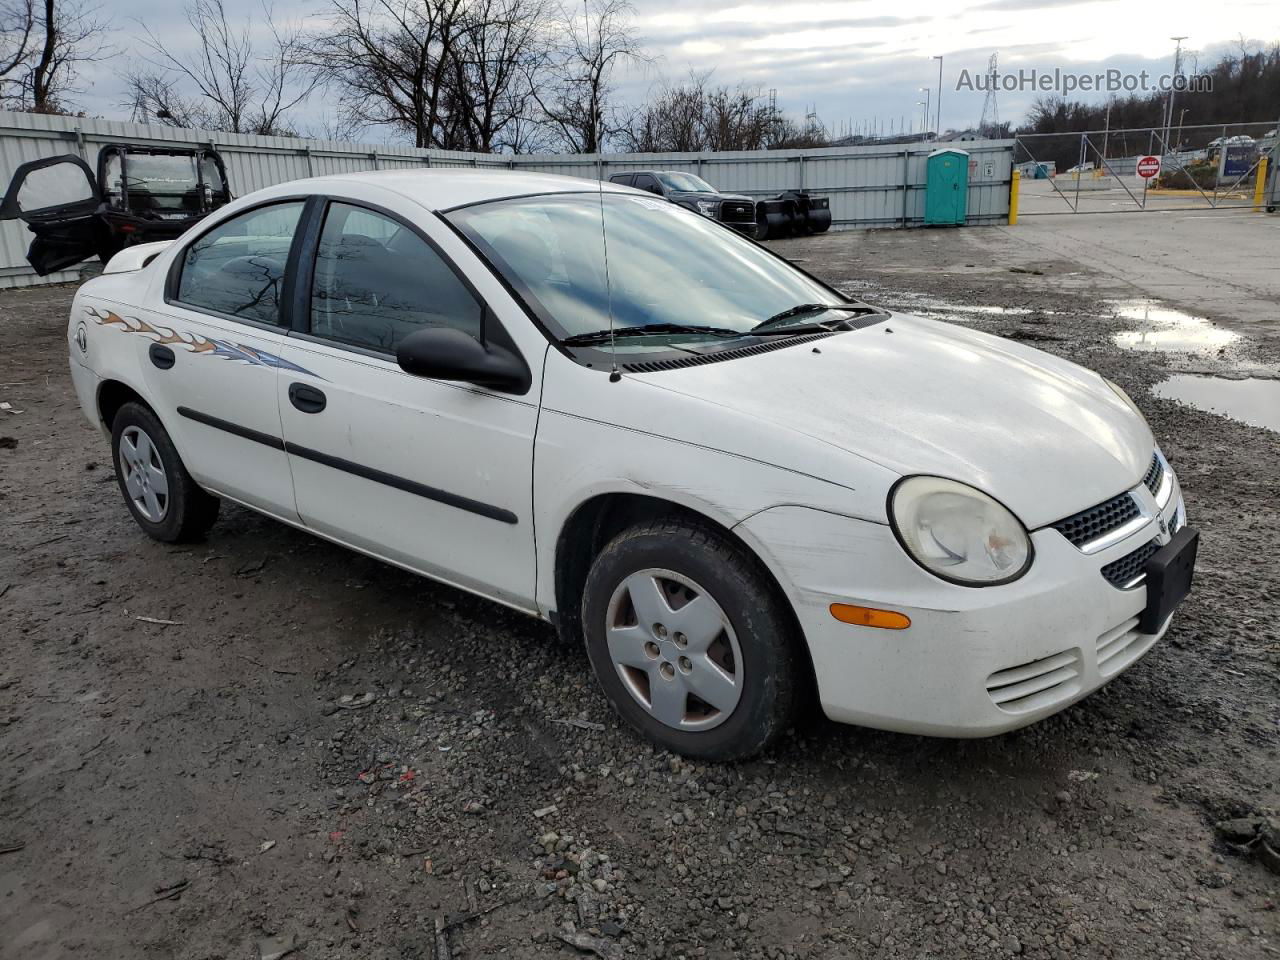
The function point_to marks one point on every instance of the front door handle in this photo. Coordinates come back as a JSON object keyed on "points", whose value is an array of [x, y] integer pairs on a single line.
{"points": [[161, 356], [305, 398]]}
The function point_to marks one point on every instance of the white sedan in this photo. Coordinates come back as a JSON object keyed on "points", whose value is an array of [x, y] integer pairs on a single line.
{"points": [[740, 489]]}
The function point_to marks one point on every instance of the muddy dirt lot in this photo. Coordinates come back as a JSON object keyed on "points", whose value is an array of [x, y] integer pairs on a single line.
{"points": [[324, 752]]}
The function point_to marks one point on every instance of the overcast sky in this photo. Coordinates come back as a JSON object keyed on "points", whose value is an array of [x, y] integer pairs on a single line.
{"points": [[854, 60]]}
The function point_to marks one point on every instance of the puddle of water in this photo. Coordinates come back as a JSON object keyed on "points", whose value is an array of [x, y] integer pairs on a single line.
{"points": [[1168, 330], [1252, 401]]}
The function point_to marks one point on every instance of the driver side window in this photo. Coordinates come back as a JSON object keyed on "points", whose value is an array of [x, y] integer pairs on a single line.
{"points": [[645, 182], [377, 281], [237, 268]]}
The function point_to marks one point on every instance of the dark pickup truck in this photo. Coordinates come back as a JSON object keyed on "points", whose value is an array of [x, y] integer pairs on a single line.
{"points": [[793, 213], [139, 194]]}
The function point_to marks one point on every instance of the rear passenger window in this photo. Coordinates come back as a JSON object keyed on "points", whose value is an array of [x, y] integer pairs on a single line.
{"points": [[376, 282], [237, 268]]}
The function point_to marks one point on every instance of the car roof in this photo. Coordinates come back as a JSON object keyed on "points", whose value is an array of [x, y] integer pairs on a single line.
{"points": [[443, 189]]}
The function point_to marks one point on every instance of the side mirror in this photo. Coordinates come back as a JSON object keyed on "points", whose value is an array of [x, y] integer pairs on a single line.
{"points": [[443, 353]]}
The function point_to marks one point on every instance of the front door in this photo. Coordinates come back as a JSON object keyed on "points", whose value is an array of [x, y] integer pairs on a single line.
{"points": [[435, 476], [213, 355], [57, 198]]}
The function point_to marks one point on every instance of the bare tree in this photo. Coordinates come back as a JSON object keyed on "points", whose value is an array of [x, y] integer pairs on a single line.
{"points": [[501, 51], [154, 97], [576, 98], [388, 61], [43, 43], [18, 35], [697, 116], [239, 85]]}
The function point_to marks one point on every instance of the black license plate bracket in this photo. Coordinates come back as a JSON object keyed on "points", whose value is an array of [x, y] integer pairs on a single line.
{"points": [[1169, 574]]}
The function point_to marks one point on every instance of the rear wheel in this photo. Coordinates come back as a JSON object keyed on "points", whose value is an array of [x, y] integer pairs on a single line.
{"points": [[166, 503], [689, 641]]}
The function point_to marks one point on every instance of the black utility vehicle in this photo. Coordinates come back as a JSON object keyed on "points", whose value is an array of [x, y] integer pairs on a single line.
{"points": [[139, 194], [793, 213]]}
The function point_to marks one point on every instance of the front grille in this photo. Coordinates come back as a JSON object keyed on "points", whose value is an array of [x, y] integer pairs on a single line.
{"points": [[740, 212], [1124, 572], [1040, 683], [1098, 521], [1154, 474]]}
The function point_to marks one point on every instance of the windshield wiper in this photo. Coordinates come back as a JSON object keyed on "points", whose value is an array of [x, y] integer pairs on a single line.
{"points": [[647, 330], [801, 309]]}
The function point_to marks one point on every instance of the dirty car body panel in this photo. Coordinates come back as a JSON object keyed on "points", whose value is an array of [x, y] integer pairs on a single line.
{"points": [[797, 450]]}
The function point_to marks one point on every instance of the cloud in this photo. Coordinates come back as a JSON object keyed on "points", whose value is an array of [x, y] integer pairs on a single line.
{"points": [[1038, 4], [850, 60]]}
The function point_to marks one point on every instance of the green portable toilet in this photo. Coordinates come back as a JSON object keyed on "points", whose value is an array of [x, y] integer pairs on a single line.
{"points": [[946, 187]]}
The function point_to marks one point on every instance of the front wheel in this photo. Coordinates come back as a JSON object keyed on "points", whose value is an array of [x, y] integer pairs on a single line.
{"points": [[165, 501], [690, 642]]}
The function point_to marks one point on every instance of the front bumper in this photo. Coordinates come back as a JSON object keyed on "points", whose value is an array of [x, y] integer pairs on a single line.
{"points": [[975, 661]]}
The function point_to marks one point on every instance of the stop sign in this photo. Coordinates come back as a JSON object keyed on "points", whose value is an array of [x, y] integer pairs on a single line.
{"points": [[1148, 167]]}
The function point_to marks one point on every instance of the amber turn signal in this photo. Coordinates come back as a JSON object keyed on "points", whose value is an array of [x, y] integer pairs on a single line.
{"points": [[870, 617]]}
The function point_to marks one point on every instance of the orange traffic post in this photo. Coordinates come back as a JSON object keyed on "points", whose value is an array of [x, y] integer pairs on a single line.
{"points": [[1013, 196], [1260, 184]]}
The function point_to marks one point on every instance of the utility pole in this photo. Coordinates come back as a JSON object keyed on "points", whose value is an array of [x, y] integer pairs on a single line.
{"points": [[1177, 67], [939, 59], [924, 128], [1107, 132]]}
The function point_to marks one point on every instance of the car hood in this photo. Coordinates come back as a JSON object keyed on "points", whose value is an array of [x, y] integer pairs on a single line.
{"points": [[1042, 435]]}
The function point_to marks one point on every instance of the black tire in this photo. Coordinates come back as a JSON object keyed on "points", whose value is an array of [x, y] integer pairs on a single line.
{"points": [[759, 618], [188, 511]]}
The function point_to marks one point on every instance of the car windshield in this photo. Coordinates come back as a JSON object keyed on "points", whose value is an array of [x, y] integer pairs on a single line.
{"points": [[666, 265], [160, 181], [685, 183]]}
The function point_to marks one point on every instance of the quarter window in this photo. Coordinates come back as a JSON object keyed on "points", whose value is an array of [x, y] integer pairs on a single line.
{"points": [[237, 268], [376, 281]]}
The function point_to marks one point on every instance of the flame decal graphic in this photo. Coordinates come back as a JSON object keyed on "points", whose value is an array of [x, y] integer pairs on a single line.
{"points": [[194, 343]]}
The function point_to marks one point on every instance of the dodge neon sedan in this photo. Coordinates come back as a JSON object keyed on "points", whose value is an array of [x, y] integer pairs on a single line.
{"points": [[738, 488]]}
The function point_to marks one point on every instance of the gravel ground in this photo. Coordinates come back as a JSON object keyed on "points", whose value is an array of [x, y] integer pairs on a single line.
{"points": [[326, 753]]}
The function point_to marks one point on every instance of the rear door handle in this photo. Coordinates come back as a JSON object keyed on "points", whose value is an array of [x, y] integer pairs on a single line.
{"points": [[161, 356], [307, 399]]}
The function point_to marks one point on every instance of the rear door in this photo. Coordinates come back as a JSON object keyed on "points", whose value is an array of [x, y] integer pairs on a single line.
{"points": [[57, 197], [213, 354]]}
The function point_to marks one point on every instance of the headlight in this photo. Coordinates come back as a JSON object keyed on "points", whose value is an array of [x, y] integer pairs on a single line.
{"points": [[1119, 392], [706, 208], [958, 533]]}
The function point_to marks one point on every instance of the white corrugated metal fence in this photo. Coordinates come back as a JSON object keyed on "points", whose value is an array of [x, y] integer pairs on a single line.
{"points": [[869, 186]]}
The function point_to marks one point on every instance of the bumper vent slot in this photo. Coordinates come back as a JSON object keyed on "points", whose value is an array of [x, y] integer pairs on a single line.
{"points": [[1088, 525], [1127, 571], [1038, 684], [1154, 475], [1121, 646]]}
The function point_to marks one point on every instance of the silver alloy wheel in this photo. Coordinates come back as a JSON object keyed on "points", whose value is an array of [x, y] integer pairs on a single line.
{"points": [[674, 649], [144, 478]]}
